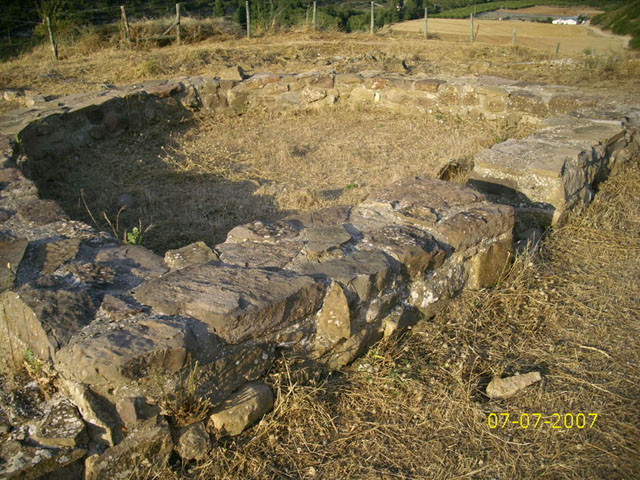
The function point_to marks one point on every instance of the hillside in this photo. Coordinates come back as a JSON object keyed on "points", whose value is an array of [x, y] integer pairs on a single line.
{"points": [[622, 19]]}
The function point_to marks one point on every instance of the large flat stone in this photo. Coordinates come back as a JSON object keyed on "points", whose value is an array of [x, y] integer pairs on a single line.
{"points": [[238, 303], [366, 273], [552, 170], [114, 355], [456, 215]]}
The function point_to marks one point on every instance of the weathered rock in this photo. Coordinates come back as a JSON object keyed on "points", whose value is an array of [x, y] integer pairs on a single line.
{"points": [[149, 444], [257, 254], [311, 95], [128, 352], [290, 98], [194, 254], [132, 259], [11, 253], [241, 409], [435, 291], [416, 250], [22, 461], [116, 309], [428, 85], [135, 409], [61, 426], [457, 216], [365, 273], [334, 317], [52, 255], [44, 320], [239, 303], [100, 416], [550, 172], [322, 240], [41, 212], [508, 386], [492, 261], [473, 225], [90, 273], [346, 352], [193, 442]]}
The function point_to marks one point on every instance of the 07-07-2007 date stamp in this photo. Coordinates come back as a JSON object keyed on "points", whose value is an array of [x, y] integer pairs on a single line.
{"points": [[556, 421]]}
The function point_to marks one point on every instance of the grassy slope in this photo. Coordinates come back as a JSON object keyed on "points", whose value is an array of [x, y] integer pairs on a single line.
{"points": [[623, 19]]}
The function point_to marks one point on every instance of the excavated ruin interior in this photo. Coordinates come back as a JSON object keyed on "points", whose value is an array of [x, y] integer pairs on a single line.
{"points": [[298, 214]]}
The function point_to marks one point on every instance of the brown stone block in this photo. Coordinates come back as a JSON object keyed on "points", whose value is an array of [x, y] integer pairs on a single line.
{"points": [[428, 85]]}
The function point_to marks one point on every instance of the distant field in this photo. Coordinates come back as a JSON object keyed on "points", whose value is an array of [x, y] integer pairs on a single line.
{"points": [[569, 11], [541, 36]]}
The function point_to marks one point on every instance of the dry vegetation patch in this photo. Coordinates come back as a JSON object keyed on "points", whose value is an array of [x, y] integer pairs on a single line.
{"points": [[199, 180], [573, 39], [415, 408]]}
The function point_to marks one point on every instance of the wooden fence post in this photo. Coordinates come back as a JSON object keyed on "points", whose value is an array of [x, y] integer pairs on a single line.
{"points": [[246, 3], [513, 41], [557, 48], [314, 15], [426, 19], [125, 25], [473, 37], [54, 49], [372, 17], [178, 30]]}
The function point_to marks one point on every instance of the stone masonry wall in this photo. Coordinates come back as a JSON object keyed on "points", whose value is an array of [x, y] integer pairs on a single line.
{"points": [[119, 324]]}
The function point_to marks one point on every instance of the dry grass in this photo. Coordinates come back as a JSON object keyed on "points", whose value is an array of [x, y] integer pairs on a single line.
{"points": [[209, 175], [414, 407], [573, 39]]}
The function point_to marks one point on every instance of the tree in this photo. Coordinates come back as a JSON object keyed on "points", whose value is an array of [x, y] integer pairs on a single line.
{"points": [[219, 9]]}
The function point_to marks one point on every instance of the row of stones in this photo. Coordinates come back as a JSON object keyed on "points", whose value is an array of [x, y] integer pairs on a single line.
{"points": [[489, 96], [58, 126], [556, 169]]}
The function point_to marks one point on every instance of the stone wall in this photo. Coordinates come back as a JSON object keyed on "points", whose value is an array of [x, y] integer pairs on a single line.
{"points": [[119, 325]]}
